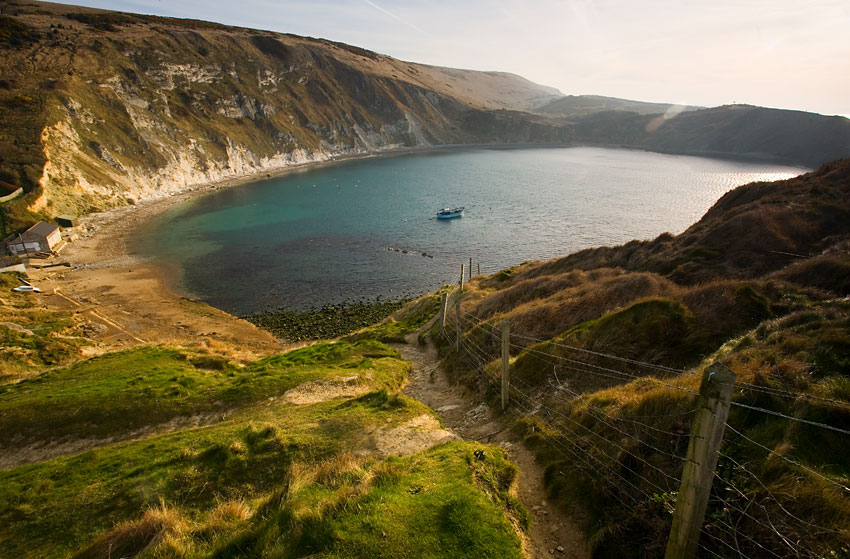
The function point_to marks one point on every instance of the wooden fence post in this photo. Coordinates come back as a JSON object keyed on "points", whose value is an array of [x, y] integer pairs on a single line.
{"points": [[457, 321], [461, 278], [443, 304], [479, 268], [715, 396], [506, 363], [470, 268]]}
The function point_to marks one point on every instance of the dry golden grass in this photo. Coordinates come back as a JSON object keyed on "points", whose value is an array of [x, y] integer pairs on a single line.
{"points": [[158, 526], [538, 308]]}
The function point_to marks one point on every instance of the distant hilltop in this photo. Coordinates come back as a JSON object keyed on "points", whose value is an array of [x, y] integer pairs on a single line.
{"points": [[100, 109]]}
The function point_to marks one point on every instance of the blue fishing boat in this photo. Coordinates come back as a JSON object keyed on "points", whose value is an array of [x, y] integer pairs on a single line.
{"points": [[448, 213]]}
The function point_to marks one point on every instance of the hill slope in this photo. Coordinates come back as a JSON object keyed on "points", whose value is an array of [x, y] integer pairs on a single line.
{"points": [[582, 105], [794, 137]]}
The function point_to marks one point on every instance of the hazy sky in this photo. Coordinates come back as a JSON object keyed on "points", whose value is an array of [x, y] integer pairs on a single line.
{"points": [[791, 54]]}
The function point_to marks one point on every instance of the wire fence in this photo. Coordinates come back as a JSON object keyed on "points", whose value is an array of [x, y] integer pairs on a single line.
{"points": [[633, 459]]}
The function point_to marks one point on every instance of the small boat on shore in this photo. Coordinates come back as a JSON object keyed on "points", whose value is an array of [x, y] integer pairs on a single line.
{"points": [[449, 213]]}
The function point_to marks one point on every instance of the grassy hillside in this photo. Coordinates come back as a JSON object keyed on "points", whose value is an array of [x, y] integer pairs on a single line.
{"points": [[288, 464], [123, 392], [608, 350]]}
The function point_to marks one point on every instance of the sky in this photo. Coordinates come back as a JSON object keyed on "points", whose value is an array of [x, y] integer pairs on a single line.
{"points": [[790, 54]]}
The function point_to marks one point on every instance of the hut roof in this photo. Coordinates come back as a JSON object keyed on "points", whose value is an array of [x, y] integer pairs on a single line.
{"points": [[42, 228]]}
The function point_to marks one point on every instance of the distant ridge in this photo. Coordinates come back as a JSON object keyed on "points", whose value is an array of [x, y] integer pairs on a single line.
{"points": [[582, 105], [736, 131]]}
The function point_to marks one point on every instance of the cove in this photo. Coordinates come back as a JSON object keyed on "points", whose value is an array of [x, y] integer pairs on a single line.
{"points": [[323, 235]]}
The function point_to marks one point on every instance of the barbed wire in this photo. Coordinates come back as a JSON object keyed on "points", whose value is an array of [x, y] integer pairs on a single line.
{"points": [[650, 365], [771, 495], [605, 355], [788, 460], [769, 527], [785, 393], [797, 419], [482, 358]]}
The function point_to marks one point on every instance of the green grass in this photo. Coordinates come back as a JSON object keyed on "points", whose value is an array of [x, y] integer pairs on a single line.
{"points": [[117, 393], [443, 502], [409, 319], [49, 338], [52, 508]]}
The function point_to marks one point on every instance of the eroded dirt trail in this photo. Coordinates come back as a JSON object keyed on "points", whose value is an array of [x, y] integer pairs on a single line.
{"points": [[552, 533]]}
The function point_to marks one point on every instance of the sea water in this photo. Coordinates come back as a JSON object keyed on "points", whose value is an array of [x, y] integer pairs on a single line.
{"points": [[367, 228]]}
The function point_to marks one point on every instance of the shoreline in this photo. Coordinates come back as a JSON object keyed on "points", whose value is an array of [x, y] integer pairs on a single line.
{"points": [[92, 226]]}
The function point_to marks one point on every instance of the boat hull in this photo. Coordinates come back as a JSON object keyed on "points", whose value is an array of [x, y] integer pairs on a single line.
{"points": [[450, 213]]}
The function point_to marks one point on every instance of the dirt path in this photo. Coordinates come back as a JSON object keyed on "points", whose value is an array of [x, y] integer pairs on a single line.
{"points": [[552, 532]]}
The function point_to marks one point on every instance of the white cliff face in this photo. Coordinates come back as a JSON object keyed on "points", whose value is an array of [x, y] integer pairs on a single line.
{"points": [[152, 126], [78, 177]]}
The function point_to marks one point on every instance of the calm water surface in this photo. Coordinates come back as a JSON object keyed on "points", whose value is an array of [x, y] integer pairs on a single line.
{"points": [[322, 236]]}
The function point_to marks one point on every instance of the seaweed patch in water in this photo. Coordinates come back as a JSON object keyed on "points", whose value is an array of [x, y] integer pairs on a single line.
{"points": [[328, 321]]}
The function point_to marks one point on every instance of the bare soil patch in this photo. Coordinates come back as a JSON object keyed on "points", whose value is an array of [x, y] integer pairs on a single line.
{"points": [[314, 392]]}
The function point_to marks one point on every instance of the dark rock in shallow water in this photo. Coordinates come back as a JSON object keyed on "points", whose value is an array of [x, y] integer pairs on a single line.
{"points": [[329, 321]]}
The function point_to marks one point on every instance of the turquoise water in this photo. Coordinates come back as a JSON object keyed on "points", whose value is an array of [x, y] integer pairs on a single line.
{"points": [[322, 236]]}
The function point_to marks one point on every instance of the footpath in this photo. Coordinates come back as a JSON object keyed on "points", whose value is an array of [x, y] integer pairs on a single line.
{"points": [[552, 532]]}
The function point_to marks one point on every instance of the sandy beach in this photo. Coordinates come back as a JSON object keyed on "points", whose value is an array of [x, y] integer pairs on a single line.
{"points": [[128, 300]]}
